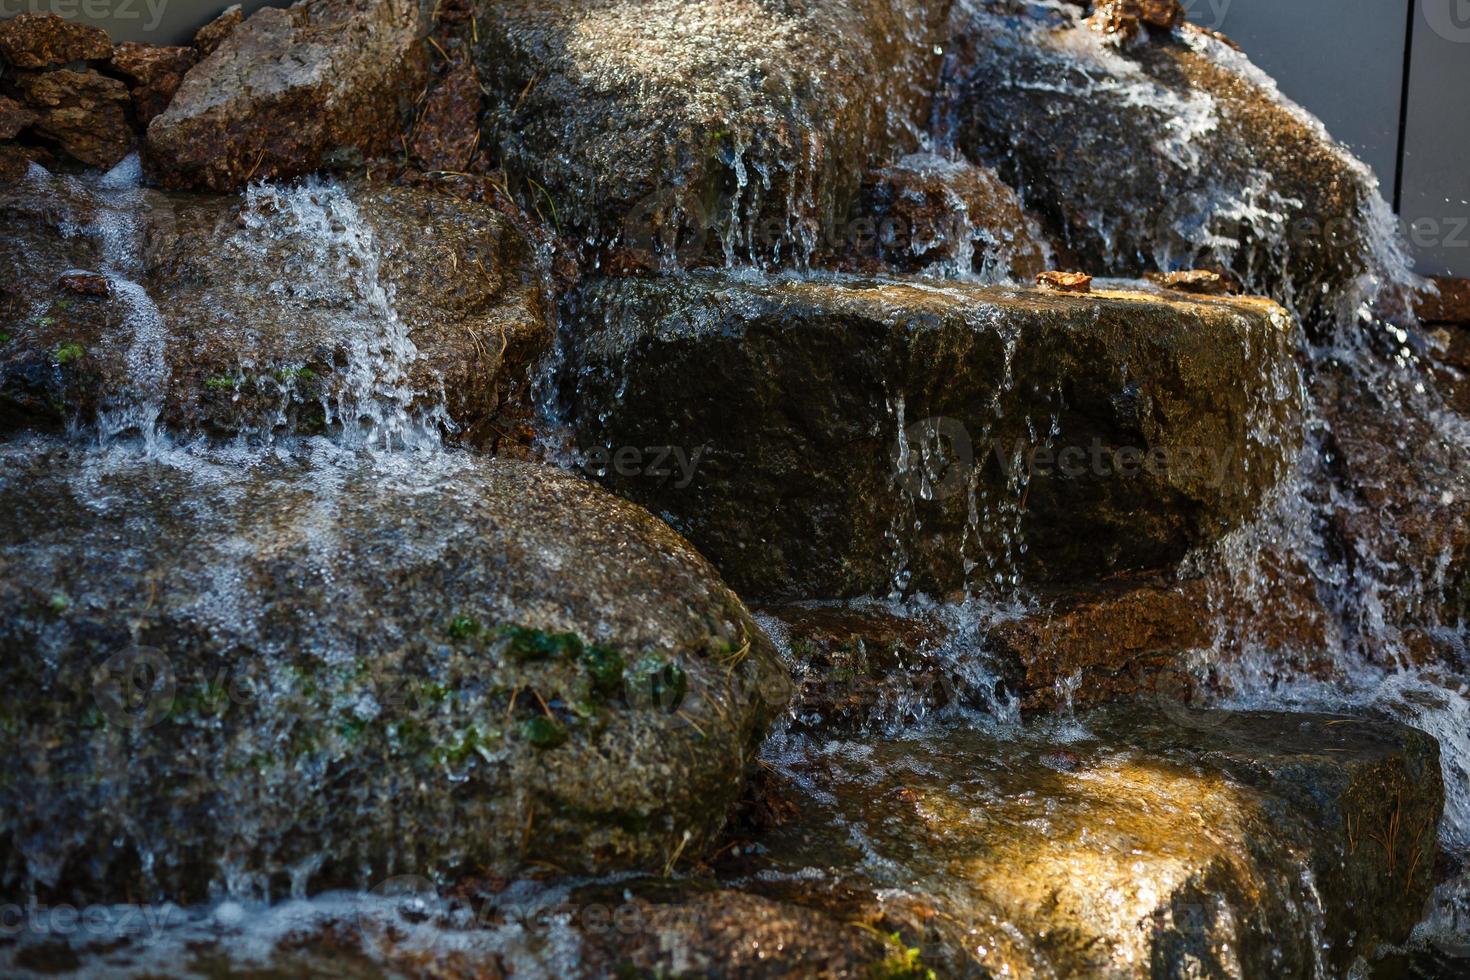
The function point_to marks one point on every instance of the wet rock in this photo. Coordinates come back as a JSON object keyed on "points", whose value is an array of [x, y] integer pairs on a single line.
{"points": [[1179, 153], [834, 437], [362, 309], [34, 40], [448, 127], [15, 162], [156, 73], [1252, 843], [1065, 282], [195, 694], [289, 91], [86, 283], [1128, 18], [14, 117], [704, 129], [1450, 303], [1116, 640], [209, 37], [84, 113], [927, 212], [864, 668], [1201, 282]]}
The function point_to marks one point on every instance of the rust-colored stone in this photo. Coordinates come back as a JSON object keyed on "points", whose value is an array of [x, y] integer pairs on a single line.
{"points": [[212, 35], [156, 73], [290, 91], [1451, 305], [46, 41], [1065, 282], [85, 113], [14, 117], [1201, 282], [448, 127], [85, 283], [1128, 17]]}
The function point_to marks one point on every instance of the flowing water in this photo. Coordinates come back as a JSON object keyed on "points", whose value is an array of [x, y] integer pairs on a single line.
{"points": [[1368, 590]]}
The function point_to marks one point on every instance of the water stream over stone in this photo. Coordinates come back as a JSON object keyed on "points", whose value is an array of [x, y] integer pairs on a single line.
{"points": [[335, 692]]}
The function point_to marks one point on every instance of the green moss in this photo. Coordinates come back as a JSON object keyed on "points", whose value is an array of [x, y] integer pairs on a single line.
{"points": [[470, 742], [902, 963], [463, 627], [544, 732], [604, 669], [222, 383], [291, 375], [4, 337], [525, 645], [59, 603], [67, 353]]}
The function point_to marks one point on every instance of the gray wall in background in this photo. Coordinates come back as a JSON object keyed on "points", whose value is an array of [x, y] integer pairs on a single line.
{"points": [[1436, 181], [1342, 59]]}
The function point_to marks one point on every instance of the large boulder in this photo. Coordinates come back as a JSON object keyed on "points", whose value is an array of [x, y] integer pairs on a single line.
{"points": [[266, 672], [291, 90], [1129, 844], [1168, 151], [386, 313], [712, 129], [841, 436], [84, 113]]}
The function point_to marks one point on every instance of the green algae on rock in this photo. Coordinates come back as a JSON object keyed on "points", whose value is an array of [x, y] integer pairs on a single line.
{"points": [[256, 682], [857, 435]]}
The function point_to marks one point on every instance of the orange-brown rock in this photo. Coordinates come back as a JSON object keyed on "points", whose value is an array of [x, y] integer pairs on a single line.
{"points": [[1129, 17], [47, 41], [1065, 282], [448, 127], [1202, 282], [212, 35], [1119, 640], [85, 113], [1450, 305], [14, 117], [290, 91], [156, 73]]}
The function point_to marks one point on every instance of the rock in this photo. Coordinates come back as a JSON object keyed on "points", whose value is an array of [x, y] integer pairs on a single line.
{"points": [[1128, 18], [209, 37], [704, 129], [15, 163], [448, 127], [289, 91], [156, 72], [84, 113], [1450, 304], [1154, 156], [86, 283], [1257, 844], [1065, 282], [329, 667], [14, 117], [1202, 282], [385, 314], [927, 212], [33, 40], [798, 431]]}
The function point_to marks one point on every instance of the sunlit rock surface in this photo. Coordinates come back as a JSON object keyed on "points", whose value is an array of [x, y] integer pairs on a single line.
{"points": [[1142, 844], [1173, 151], [720, 128], [285, 671], [855, 436], [384, 314], [291, 90]]}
